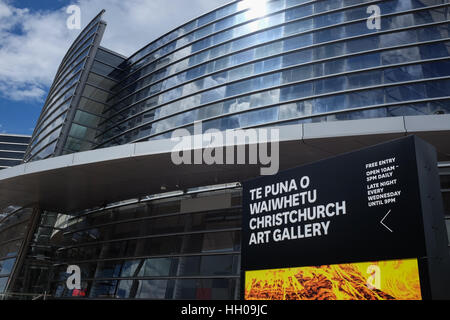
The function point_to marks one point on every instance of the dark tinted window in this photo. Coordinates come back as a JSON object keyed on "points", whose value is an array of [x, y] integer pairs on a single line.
{"points": [[9, 163], [11, 155], [14, 139], [109, 58], [13, 147]]}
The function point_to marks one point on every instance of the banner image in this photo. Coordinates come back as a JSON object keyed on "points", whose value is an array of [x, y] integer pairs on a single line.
{"points": [[380, 280]]}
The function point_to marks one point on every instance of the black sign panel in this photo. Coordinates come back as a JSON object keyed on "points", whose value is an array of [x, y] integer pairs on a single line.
{"points": [[359, 206]]}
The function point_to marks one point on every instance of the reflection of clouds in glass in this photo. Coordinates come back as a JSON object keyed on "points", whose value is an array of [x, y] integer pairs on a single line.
{"points": [[193, 101], [173, 81], [288, 111], [258, 8], [180, 53], [172, 94], [129, 268], [241, 72], [182, 41], [294, 110], [157, 267], [210, 111], [252, 101], [180, 66], [124, 288], [235, 107], [191, 88], [212, 95], [265, 98], [215, 80]]}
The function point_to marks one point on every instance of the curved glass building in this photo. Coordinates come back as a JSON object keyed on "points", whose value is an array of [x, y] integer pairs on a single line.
{"points": [[251, 63], [284, 62], [75, 101]]}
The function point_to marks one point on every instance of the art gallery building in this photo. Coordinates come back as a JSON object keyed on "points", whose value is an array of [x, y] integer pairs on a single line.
{"points": [[98, 187]]}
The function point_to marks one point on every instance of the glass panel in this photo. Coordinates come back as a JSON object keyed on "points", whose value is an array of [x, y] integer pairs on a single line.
{"points": [[103, 289], [46, 151], [103, 69], [6, 266], [108, 269], [13, 147], [87, 119], [152, 289], [14, 139], [204, 289], [95, 93], [156, 267], [75, 145], [131, 268]]}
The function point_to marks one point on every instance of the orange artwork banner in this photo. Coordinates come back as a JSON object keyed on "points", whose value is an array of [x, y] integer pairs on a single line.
{"points": [[380, 280]]}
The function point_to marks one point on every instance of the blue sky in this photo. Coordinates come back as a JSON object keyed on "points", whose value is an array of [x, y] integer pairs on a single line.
{"points": [[34, 38], [20, 117]]}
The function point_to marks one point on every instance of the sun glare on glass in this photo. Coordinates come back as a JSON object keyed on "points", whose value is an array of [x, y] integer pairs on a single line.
{"points": [[258, 8]]}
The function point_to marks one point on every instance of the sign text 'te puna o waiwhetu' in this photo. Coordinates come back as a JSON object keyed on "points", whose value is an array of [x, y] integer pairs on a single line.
{"points": [[297, 213]]}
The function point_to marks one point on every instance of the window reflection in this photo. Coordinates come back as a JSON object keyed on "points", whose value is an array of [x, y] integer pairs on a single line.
{"points": [[153, 267], [334, 66], [367, 61]]}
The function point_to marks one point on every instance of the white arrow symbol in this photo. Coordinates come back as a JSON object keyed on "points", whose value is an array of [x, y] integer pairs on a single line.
{"points": [[385, 218]]}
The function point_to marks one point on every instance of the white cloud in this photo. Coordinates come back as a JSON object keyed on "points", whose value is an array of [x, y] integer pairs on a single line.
{"points": [[31, 47], [33, 43], [22, 91], [134, 23]]}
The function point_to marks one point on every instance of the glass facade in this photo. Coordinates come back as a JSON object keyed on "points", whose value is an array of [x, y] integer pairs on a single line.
{"points": [[63, 97], [84, 126], [165, 247], [248, 64], [281, 62]]}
